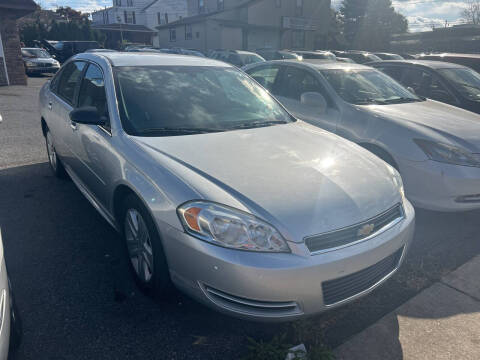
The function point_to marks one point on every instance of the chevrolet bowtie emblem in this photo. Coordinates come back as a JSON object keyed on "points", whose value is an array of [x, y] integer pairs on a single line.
{"points": [[365, 230]]}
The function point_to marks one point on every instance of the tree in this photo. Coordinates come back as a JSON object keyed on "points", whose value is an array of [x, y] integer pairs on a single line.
{"points": [[472, 12], [372, 30], [352, 13], [69, 14], [335, 37]]}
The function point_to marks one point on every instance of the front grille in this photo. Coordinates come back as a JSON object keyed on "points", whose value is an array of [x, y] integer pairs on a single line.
{"points": [[45, 65], [354, 233], [337, 290], [252, 307]]}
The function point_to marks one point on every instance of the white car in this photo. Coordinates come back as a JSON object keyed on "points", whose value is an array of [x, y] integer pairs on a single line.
{"points": [[436, 147]]}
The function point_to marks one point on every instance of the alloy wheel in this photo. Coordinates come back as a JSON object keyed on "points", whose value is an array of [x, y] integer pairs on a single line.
{"points": [[139, 245]]}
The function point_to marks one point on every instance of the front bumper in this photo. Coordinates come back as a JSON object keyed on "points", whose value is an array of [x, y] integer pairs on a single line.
{"points": [[441, 187], [41, 70], [275, 286]]}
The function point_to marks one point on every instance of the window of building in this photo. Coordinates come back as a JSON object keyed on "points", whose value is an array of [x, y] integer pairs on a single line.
{"points": [[298, 7], [159, 18], [298, 40], [129, 2], [188, 32], [201, 6], [278, 3], [173, 34], [197, 35], [166, 18], [118, 2], [129, 17], [220, 4]]}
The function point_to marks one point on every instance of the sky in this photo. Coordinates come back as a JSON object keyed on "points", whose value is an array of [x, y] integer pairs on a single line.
{"points": [[421, 14]]}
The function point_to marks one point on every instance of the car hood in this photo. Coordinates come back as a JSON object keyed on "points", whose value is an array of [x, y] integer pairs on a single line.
{"points": [[300, 178], [435, 118]]}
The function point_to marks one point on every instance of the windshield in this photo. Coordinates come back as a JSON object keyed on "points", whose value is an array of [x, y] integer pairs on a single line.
{"points": [[250, 59], [465, 80], [35, 53], [363, 87], [179, 100]]}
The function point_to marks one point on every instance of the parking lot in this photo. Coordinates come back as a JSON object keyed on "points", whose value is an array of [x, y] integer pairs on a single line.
{"points": [[77, 299]]}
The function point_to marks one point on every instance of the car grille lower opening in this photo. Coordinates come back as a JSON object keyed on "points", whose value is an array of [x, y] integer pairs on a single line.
{"points": [[251, 307], [337, 290], [354, 233]]}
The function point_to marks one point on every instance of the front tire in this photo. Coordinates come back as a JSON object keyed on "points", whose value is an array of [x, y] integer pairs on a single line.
{"points": [[145, 251]]}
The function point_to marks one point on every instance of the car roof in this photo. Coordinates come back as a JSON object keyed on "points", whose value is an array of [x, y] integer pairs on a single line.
{"points": [[150, 59], [432, 64], [460, 55], [319, 64]]}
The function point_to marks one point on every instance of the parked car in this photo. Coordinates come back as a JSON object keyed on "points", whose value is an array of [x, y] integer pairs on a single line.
{"points": [[318, 54], [144, 50], [10, 326], [272, 54], [388, 56], [182, 51], [63, 50], [470, 60], [346, 60], [39, 61], [435, 146], [360, 57], [217, 188], [100, 50], [445, 82], [238, 58]]}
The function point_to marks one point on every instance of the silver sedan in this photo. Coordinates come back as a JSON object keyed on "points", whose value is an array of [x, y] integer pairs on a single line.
{"points": [[218, 190]]}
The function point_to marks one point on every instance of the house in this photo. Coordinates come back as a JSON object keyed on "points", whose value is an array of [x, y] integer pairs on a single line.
{"points": [[249, 25], [12, 70], [135, 20]]}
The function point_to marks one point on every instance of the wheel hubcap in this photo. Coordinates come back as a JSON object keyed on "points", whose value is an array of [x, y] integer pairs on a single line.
{"points": [[52, 155], [139, 245]]}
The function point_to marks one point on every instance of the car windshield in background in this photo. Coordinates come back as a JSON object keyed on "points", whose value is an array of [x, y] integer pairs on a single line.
{"points": [[363, 87], [250, 59], [466, 81], [35, 53], [180, 100]]}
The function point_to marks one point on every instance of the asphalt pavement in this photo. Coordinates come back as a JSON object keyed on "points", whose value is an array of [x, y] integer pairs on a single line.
{"points": [[76, 296]]}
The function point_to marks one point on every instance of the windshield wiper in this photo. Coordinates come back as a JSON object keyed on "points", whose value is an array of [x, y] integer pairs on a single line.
{"points": [[256, 124], [400, 100], [371, 101], [180, 130]]}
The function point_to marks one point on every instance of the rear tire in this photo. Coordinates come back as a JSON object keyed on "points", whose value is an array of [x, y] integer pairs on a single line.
{"points": [[55, 163], [144, 248]]}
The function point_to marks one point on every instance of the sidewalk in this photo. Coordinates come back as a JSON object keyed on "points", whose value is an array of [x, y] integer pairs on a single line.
{"points": [[442, 322]]}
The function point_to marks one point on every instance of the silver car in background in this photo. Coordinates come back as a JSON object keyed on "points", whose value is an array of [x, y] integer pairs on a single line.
{"points": [[217, 189], [39, 61]]}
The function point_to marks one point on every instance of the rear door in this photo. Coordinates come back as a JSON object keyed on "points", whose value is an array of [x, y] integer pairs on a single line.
{"points": [[62, 103], [294, 82]]}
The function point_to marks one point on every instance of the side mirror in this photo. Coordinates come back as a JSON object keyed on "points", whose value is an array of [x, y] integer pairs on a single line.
{"points": [[87, 115], [314, 101]]}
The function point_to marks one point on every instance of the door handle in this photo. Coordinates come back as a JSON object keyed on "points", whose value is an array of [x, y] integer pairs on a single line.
{"points": [[50, 105], [73, 125]]}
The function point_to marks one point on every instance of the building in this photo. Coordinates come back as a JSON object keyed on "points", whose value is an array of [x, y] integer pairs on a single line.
{"points": [[249, 25], [12, 70], [458, 38], [135, 20]]}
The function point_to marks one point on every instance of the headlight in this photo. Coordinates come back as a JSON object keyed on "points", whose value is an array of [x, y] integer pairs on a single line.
{"points": [[224, 226], [29, 63], [55, 62], [447, 153], [397, 179]]}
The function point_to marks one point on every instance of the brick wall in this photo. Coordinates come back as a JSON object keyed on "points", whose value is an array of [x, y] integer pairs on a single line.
{"points": [[11, 49]]}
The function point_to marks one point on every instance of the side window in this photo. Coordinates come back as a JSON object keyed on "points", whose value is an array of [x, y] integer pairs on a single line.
{"points": [[54, 82], [265, 76], [395, 72], [295, 82], [68, 80], [234, 59], [427, 85], [92, 91]]}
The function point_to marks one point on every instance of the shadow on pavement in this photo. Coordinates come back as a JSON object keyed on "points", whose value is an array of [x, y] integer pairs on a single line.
{"points": [[77, 299]]}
